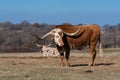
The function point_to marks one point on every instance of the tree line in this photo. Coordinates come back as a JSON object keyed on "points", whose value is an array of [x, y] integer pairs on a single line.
{"points": [[21, 37], [111, 36]]}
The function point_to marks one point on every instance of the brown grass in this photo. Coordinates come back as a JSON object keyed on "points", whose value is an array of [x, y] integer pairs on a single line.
{"points": [[34, 67]]}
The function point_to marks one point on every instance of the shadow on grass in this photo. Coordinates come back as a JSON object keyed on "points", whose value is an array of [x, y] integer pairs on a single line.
{"points": [[104, 64], [100, 64], [76, 65]]}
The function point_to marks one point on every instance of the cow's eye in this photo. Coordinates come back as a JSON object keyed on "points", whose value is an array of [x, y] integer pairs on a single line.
{"points": [[57, 36]]}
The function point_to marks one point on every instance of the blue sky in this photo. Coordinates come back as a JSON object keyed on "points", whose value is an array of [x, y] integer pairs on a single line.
{"points": [[61, 11]]}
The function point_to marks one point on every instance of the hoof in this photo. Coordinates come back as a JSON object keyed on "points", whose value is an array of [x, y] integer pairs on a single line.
{"points": [[90, 64], [62, 64]]}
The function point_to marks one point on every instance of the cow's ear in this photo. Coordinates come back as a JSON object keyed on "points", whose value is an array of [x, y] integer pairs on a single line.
{"points": [[61, 34]]}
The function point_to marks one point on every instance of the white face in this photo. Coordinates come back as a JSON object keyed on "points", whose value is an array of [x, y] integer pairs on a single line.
{"points": [[57, 37]]}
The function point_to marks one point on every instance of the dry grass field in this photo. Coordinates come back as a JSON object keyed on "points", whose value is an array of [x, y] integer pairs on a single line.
{"points": [[31, 66]]}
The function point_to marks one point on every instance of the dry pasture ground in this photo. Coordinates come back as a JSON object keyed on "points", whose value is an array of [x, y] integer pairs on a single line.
{"points": [[38, 68]]}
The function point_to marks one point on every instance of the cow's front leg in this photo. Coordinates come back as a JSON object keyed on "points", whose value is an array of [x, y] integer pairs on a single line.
{"points": [[62, 59], [67, 58]]}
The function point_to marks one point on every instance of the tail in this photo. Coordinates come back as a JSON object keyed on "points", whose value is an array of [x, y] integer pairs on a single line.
{"points": [[100, 48]]}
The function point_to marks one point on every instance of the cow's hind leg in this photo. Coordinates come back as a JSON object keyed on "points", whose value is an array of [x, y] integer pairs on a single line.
{"points": [[92, 55]]}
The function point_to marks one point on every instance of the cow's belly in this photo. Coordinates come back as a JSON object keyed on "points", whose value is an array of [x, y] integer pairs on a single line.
{"points": [[78, 43]]}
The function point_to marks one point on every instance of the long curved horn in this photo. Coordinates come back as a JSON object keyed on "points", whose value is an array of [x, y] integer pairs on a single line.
{"points": [[38, 45], [72, 34], [47, 34], [51, 32]]}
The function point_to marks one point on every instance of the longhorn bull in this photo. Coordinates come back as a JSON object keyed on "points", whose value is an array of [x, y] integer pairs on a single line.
{"points": [[69, 36]]}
